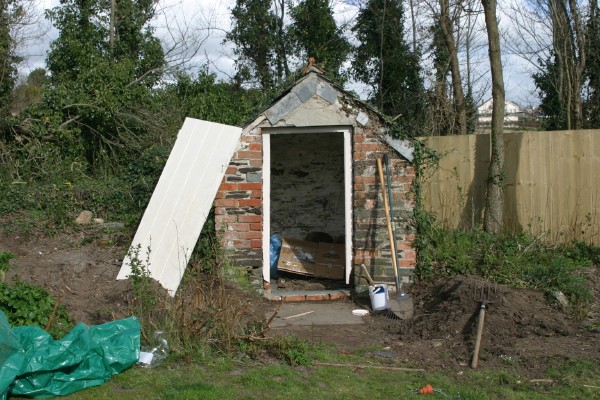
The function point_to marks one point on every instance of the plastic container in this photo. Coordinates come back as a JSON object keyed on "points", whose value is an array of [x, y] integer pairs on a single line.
{"points": [[379, 297]]}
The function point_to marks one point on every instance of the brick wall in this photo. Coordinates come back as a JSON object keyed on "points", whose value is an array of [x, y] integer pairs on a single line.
{"points": [[238, 206]]}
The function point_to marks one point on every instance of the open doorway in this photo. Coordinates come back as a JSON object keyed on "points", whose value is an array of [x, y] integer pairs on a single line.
{"points": [[307, 189]]}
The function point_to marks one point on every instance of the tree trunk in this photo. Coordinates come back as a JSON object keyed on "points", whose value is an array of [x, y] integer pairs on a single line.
{"points": [[494, 210], [457, 90], [580, 57], [569, 45], [414, 26]]}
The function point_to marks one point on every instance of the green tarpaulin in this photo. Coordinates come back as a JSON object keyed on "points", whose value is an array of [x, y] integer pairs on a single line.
{"points": [[33, 364]]}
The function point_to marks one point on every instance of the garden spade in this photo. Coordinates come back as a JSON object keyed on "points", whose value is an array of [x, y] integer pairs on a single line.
{"points": [[402, 304]]}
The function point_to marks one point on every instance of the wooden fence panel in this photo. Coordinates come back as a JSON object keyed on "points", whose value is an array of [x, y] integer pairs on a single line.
{"points": [[552, 182]]}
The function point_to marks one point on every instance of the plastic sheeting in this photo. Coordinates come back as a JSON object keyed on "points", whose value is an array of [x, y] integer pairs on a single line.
{"points": [[275, 250], [85, 357], [12, 356]]}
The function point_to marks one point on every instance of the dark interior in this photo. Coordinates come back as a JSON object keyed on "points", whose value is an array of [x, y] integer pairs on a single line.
{"points": [[307, 196]]}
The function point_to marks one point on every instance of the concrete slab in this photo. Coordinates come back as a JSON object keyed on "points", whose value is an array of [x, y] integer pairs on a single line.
{"points": [[329, 313]]}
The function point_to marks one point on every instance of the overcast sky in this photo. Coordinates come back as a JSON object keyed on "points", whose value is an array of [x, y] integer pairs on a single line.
{"points": [[209, 20]]}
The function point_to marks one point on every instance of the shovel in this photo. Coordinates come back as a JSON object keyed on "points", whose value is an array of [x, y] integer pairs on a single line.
{"points": [[402, 304]]}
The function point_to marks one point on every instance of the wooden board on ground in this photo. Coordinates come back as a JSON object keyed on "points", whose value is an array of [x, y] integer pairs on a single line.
{"points": [[298, 257]]}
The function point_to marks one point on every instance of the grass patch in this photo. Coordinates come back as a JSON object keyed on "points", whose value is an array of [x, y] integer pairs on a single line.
{"points": [[219, 378]]}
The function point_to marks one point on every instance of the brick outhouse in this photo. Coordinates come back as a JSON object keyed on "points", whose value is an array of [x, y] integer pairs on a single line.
{"points": [[307, 164]]}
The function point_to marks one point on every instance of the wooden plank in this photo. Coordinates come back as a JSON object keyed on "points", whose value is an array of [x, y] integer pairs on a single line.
{"points": [[182, 200]]}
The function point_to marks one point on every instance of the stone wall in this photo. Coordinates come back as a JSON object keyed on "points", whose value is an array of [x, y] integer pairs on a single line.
{"points": [[371, 238], [307, 185]]}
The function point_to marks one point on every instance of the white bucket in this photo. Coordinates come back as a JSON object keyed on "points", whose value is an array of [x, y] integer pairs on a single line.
{"points": [[379, 297]]}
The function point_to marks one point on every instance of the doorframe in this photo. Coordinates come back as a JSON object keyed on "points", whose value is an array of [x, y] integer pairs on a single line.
{"points": [[266, 190]]}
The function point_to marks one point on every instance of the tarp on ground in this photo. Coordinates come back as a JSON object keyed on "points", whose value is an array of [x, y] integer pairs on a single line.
{"points": [[12, 356], [87, 356]]}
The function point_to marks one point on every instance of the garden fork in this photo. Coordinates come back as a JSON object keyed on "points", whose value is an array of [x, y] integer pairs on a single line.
{"points": [[483, 296]]}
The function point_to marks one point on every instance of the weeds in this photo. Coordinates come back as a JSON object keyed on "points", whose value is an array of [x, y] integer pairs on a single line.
{"points": [[26, 305], [5, 257], [293, 350], [146, 296], [518, 260]]}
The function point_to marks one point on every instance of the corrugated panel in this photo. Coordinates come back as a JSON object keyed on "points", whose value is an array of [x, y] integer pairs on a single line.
{"points": [[182, 200]]}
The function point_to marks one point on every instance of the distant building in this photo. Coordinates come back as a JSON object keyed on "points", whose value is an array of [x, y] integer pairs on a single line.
{"points": [[514, 116], [511, 113]]}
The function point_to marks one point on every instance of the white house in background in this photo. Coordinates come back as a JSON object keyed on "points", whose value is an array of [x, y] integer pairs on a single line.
{"points": [[511, 113]]}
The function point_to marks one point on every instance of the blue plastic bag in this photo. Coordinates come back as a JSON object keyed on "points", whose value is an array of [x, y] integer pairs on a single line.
{"points": [[274, 250]]}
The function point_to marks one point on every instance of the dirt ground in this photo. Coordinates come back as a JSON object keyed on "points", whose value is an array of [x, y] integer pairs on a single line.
{"points": [[523, 332]]}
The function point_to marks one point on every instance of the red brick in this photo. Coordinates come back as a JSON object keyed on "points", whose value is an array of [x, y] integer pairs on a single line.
{"points": [[359, 138], [358, 187], [317, 297], [251, 139], [231, 170], [409, 255], [256, 163], [226, 219], [250, 202], [255, 147], [249, 186], [338, 296], [220, 211], [250, 235], [227, 186], [256, 243], [367, 147], [250, 218], [256, 194], [256, 227], [407, 263], [226, 203], [293, 299], [239, 227], [250, 155], [241, 244], [404, 246], [367, 252]]}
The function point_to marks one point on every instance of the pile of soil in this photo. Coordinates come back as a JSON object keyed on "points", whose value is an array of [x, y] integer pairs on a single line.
{"points": [[523, 331]]}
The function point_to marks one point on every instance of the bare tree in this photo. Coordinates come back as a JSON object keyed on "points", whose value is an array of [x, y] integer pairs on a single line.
{"points": [[447, 28], [494, 210], [553, 32]]}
